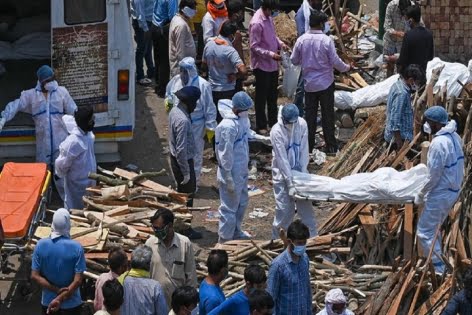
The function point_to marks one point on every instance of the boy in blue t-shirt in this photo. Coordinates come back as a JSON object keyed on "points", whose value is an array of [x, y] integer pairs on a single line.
{"points": [[211, 294], [238, 304]]}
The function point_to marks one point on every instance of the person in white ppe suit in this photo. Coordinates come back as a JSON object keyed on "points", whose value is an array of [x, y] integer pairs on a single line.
{"points": [[232, 152], [203, 117], [77, 157], [289, 138], [335, 304], [47, 103], [446, 173]]}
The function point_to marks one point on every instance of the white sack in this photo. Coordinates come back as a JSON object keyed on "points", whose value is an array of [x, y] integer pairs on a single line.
{"points": [[368, 96], [385, 185], [450, 74]]}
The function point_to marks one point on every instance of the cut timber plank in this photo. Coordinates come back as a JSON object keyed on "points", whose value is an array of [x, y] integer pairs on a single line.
{"points": [[408, 232], [146, 183], [362, 161], [107, 220], [393, 310], [92, 241], [435, 297], [152, 185], [118, 211], [369, 223], [101, 255], [358, 79]]}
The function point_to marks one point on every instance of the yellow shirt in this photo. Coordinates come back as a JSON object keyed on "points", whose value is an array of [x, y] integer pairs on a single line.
{"points": [[201, 11]]}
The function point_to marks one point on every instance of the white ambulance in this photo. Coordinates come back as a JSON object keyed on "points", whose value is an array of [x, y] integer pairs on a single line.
{"points": [[89, 45]]}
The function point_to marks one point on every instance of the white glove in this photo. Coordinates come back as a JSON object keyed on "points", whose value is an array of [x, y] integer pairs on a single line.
{"points": [[230, 184], [266, 141], [292, 191], [419, 199], [2, 123], [186, 180]]}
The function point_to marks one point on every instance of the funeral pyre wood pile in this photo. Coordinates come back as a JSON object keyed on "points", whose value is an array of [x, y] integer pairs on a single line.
{"points": [[117, 213], [373, 248]]}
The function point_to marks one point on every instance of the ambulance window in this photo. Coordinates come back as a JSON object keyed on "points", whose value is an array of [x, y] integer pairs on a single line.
{"points": [[84, 11]]}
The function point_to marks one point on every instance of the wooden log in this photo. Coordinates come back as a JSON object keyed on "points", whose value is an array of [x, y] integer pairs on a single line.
{"points": [[423, 274]]}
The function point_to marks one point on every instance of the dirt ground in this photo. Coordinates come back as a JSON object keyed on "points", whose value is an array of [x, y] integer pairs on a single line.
{"points": [[148, 151]]}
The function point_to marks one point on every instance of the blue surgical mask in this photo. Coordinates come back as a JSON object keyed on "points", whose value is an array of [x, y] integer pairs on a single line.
{"points": [[189, 12], [299, 250]]}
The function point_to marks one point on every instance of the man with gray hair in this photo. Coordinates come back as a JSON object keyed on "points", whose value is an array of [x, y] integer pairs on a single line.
{"points": [[143, 295]]}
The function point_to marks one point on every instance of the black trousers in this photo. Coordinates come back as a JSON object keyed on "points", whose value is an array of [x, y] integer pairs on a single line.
{"points": [[313, 100], [266, 93], [191, 186], [160, 38], [221, 95], [69, 311]]}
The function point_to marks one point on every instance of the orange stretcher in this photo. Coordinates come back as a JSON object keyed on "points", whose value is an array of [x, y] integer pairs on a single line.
{"points": [[24, 188]]}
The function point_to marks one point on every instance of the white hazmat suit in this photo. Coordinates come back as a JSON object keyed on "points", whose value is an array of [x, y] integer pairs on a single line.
{"points": [[204, 115], [232, 151], [47, 116], [289, 152], [76, 160], [446, 173]]}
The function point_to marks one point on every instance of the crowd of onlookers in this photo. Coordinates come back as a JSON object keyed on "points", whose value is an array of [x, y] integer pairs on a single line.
{"points": [[160, 277]]}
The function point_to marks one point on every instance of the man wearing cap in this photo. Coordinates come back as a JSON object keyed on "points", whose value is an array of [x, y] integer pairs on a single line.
{"points": [[289, 138], [58, 265], [446, 173], [232, 152], [47, 103], [204, 116], [335, 303], [182, 144], [216, 14]]}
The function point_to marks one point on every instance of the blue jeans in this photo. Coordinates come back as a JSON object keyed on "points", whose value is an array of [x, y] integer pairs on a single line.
{"points": [[143, 51], [300, 95]]}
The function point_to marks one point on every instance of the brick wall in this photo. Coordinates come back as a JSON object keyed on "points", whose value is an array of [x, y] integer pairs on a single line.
{"points": [[451, 24]]}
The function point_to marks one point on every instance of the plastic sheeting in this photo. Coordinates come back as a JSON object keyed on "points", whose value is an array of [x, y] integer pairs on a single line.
{"points": [[31, 46], [385, 185], [449, 75], [368, 96], [290, 77]]}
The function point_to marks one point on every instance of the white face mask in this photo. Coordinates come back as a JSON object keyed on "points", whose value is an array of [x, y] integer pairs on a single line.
{"points": [[427, 128], [244, 114], [50, 86], [190, 13]]}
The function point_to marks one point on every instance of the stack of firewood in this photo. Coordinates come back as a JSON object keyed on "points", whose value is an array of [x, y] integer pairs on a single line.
{"points": [[117, 213]]}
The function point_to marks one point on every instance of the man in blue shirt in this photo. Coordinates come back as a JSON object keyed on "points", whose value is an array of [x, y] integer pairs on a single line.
{"points": [[142, 12], [211, 294], [238, 304], [289, 275], [58, 266], [399, 124], [164, 11]]}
